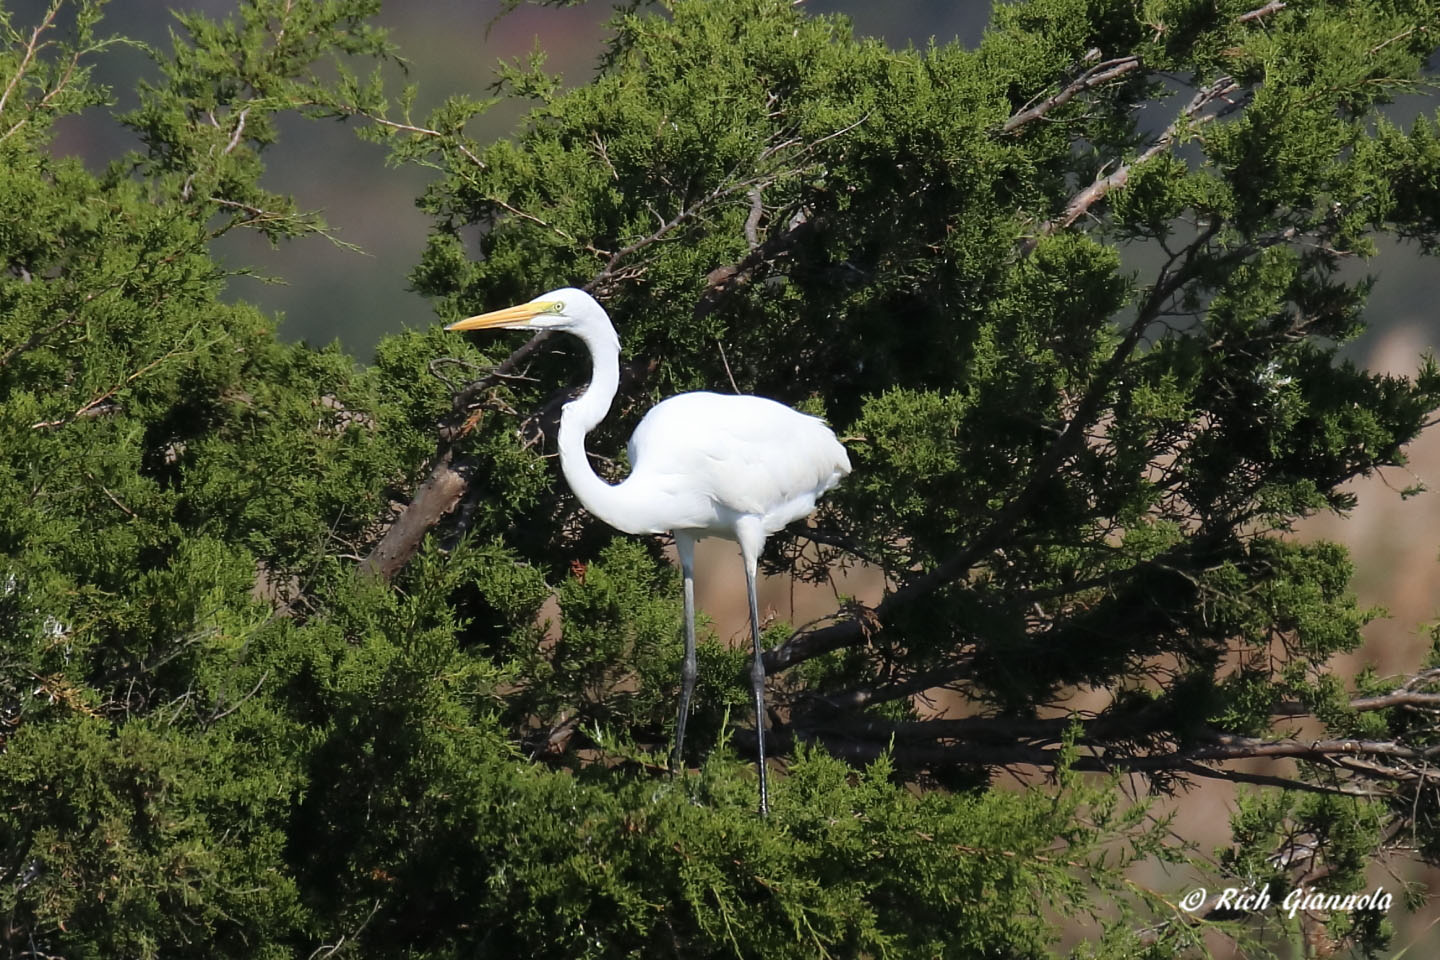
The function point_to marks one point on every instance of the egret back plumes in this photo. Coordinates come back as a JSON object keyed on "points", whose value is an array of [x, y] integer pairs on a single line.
{"points": [[733, 456], [701, 465]]}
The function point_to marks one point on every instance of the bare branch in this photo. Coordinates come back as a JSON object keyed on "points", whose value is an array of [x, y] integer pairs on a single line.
{"points": [[30, 50], [38, 337], [327, 950], [1133, 740], [1099, 74], [1081, 203], [560, 232], [222, 714], [1005, 742], [722, 280], [239, 131], [1256, 14], [749, 185], [1385, 43], [351, 110], [1284, 783], [434, 498], [1109, 70], [725, 360], [113, 499], [99, 403], [752, 222]]}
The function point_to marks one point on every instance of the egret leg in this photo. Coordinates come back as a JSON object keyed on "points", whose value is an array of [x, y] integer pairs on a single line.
{"points": [[752, 541], [685, 547]]}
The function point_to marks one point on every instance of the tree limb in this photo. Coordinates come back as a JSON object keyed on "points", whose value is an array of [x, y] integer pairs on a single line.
{"points": [[722, 281], [1132, 740], [1081, 202], [1256, 14], [1099, 74], [447, 482], [434, 498]]}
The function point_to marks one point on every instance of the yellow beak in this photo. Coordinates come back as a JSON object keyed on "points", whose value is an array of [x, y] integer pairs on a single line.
{"points": [[512, 318]]}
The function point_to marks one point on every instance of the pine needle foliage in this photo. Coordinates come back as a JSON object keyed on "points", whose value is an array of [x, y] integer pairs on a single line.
{"points": [[224, 735]]}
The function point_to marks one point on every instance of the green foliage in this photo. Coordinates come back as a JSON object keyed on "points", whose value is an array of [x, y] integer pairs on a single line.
{"points": [[223, 737]]}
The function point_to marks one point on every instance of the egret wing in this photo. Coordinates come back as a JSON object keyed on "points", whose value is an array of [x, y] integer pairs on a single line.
{"points": [[747, 454]]}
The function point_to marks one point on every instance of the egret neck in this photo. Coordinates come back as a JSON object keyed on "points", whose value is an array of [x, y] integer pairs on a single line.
{"points": [[581, 415]]}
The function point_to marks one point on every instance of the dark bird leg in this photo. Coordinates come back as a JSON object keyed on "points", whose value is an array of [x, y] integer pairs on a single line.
{"points": [[752, 541]]}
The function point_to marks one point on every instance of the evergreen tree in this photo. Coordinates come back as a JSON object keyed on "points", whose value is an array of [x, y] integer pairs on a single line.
{"points": [[278, 678]]}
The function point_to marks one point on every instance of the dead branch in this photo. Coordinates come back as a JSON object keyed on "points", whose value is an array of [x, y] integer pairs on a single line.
{"points": [[239, 131], [752, 222], [1097, 75], [434, 498], [722, 281], [1081, 203], [448, 481], [1259, 12], [1137, 741], [989, 748], [1102, 73], [38, 337]]}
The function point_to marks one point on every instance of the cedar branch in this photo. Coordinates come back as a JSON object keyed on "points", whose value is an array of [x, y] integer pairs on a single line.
{"points": [[1178, 271]]}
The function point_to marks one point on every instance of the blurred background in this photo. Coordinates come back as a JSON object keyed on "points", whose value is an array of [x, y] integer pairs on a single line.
{"points": [[321, 293]]}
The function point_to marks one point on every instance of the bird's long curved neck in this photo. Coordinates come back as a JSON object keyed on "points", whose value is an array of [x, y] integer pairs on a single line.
{"points": [[579, 417]]}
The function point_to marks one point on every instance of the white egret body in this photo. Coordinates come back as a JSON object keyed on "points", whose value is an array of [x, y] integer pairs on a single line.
{"points": [[701, 465]]}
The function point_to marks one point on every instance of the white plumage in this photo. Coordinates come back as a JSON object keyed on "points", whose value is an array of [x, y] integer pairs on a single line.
{"points": [[735, 455], [701, 465]]}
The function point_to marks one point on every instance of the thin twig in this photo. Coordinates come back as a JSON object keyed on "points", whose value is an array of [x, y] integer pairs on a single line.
{"points": [[102, 398], [355, 111], [723, 191], [36, 338], [730, 376], [30, 50], [327, 950], [1383, 44], [115, 500], [254, 690]]}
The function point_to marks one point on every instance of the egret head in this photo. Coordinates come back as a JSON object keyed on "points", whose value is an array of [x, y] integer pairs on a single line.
{"points": [[563, 309]]}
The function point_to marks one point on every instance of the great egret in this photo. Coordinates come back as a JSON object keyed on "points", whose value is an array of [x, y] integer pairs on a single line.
{"points": [[701, 465]]}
